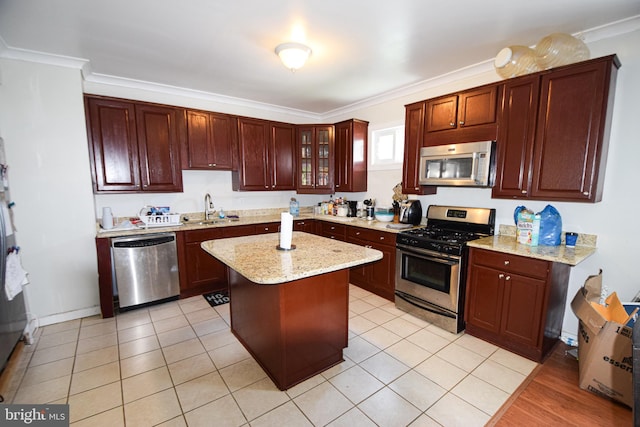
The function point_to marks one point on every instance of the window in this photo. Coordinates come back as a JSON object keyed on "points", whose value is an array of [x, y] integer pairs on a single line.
{"points": [[387, 148]]}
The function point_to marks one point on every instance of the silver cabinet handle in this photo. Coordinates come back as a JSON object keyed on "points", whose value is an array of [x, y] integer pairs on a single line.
{"points": [[213, 165]]}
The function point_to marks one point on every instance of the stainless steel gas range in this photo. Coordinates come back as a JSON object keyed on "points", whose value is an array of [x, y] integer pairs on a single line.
{"points": [[431, 263]]}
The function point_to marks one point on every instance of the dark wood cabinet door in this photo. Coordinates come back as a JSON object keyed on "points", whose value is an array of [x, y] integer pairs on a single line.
{"points": [[382, 272], [522, 309], [159, 148], [413, 141], [478, 107], [484, 298], [569, 136], [210, 141], [113, 144], [441, 113], [360, 274], [466, 116], [253, 170], [351, 155], [199, 271], [282, 156], [516, 136]]}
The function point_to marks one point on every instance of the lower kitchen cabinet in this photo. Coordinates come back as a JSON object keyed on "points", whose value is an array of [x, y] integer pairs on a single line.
{"points": [[516, 302], [333, 231], [199, 272], [377, 277]]}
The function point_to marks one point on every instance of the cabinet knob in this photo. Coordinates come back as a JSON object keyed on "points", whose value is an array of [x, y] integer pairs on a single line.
{"points": [[524, 191], [337, 185], [357, 233], [212, 165], [507, 278], [381, 237], [586, 193], [452, 124], [500, 276], [417, 188], [506, 262], [461, 122]]}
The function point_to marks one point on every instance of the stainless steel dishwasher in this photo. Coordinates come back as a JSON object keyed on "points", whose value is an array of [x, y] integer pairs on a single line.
{"points": [[145, 267]]}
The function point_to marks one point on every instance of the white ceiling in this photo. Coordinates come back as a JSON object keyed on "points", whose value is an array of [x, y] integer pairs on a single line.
{"points": [[361, 48]]}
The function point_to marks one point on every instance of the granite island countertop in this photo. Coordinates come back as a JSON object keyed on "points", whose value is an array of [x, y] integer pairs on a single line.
{"points": [[258, 259]]}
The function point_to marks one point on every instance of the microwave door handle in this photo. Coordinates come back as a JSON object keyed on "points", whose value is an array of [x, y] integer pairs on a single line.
{"points": [[474, 168]]}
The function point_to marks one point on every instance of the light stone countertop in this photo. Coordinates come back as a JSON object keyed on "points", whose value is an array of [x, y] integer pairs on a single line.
{"points": [[246, 219], [507, 243], [258, 259]]}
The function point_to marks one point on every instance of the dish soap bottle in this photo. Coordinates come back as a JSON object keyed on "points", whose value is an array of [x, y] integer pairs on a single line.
{"points": [[294, 207]]}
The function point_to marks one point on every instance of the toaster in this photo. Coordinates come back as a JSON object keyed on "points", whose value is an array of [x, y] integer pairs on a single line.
{"points": [[411, 212]]}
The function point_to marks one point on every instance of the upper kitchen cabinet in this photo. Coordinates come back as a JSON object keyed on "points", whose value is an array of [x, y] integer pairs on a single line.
{"points": [[315, 159], [133, 146], [554, 133], [463, 117], [266, 156], [351, 155], [211, 141], [413, 141]]}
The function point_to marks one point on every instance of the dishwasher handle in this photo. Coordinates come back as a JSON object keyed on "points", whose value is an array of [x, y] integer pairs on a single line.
{"points": [[146, 242]]}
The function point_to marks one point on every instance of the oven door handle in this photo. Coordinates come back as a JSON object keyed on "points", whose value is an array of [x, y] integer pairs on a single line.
{"points": [[407, 251]]}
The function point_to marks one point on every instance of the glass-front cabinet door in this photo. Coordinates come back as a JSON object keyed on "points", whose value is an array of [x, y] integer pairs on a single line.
{"points": [[316, 161]]}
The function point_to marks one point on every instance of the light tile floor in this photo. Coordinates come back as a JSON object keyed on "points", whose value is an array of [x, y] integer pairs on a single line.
{"points": [[178, 364]]}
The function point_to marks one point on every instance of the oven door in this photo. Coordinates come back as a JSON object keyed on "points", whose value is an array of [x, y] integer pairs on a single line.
{"points": [[429, 276]]}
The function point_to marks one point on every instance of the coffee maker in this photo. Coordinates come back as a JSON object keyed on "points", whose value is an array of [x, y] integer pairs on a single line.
{"points": [[411, 212], [352, 208]]}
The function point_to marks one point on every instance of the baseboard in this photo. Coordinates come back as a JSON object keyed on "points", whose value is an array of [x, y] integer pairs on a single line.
{"points": [[69, 315]]}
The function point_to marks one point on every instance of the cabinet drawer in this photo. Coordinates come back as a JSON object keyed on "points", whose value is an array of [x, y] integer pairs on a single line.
{"points": [[334, 231], [239, 231], [512, 263], [373, 236], [268, 227], [202, 235]]}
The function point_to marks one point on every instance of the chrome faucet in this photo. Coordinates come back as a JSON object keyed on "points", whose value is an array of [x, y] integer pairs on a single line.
{"points": [[208, 205]]}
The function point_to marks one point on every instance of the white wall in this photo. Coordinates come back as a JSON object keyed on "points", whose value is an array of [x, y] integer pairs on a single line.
{"points": [[41, 122]]}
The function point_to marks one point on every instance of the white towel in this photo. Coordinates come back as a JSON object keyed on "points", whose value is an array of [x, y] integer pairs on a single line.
{"points": [[15, 276]]}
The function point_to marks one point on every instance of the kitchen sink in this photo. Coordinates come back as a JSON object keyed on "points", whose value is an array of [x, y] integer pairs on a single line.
{"points": [[212, 221]]}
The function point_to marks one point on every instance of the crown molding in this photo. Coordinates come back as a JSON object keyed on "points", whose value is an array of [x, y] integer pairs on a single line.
{"points": [[589, 36], [106, 80]]}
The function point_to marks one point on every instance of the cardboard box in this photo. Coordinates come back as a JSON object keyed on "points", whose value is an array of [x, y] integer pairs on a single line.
{"points": [[604, 343]]}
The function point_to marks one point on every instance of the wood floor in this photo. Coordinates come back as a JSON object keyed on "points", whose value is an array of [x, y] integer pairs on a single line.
{"points": [[551, 397]]}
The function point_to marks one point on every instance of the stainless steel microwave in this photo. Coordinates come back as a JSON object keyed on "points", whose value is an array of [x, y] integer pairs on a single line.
{"points": [[468, 164]]}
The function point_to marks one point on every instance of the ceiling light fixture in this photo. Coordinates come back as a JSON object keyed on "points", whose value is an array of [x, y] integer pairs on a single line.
{"points": [[293, 55]]}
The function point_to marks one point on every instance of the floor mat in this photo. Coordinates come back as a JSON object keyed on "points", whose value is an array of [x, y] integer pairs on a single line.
{"points": [[217, 298]]}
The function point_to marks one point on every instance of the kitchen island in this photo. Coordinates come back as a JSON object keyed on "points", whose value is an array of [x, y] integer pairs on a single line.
{"points": [[290, 308]]}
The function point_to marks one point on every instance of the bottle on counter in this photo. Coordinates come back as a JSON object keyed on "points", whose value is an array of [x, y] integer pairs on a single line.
{"points": [[294, 207]]}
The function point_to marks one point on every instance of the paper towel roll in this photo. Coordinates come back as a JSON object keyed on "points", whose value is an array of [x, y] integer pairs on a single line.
{"points": [[286, 230]]}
